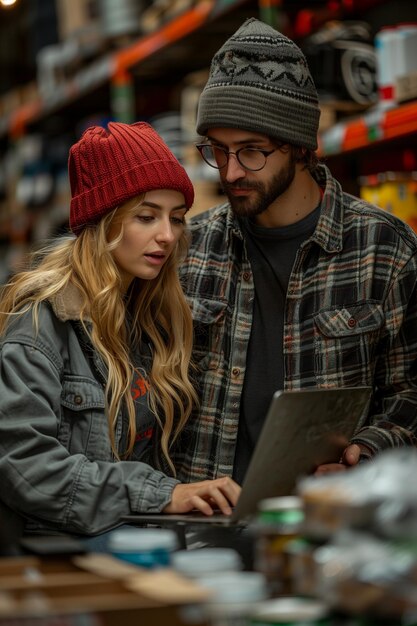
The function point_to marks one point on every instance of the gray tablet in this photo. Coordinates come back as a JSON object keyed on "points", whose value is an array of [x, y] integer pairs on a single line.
{"points": [[302, 430]]}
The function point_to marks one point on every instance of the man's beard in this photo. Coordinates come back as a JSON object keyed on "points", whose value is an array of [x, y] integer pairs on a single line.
{"points": [[265, 193]]}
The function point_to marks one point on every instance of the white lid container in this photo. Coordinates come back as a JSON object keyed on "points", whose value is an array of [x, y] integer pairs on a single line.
{"points": [[235, 588], [202, 561], [285, 610], [142, 540]]}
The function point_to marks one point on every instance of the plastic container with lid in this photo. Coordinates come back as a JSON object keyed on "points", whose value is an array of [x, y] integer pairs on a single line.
{"points": [[291, 611], [147, 547], [234, 596], [204, 561]]}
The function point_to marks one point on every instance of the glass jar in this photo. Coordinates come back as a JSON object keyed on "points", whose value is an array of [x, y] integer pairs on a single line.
{"points": [[278, 522]]}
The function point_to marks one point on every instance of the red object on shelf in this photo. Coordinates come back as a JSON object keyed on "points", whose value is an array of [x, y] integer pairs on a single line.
{"points": [[22, 117], [308, 20]]}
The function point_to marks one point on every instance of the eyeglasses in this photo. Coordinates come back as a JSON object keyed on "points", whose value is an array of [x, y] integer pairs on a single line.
{"points": [[253, 159]]}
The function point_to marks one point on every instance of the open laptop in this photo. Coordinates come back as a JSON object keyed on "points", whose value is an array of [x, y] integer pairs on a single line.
{"points": [[302, 430]]}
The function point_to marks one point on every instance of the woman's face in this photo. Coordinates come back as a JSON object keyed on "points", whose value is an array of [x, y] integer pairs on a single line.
{"points": [[151, 230]]}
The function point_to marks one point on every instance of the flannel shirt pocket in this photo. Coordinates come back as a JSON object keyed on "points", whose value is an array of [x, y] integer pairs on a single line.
{"points": [[344, 343], [208, 316]]}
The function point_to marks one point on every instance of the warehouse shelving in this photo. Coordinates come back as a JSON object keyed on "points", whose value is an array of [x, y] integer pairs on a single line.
{"points": [[376, 125], [104, 69]]}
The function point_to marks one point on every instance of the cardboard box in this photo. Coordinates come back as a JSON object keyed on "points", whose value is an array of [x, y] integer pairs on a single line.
{"points": [[73, 16], [405, 88]]}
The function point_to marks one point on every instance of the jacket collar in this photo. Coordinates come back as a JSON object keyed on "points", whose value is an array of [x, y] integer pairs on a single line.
{"points": [[67, 303]]}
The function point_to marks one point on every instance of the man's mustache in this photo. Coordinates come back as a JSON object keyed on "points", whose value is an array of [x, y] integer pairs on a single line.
{"points": [[240, 185]]}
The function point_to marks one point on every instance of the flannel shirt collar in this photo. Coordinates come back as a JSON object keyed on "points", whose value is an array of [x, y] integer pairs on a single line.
{"points": [[329, 229]]}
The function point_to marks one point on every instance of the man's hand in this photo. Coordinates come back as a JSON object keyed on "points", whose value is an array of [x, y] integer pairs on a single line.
{"points": [[350, 457], [204, 496]]}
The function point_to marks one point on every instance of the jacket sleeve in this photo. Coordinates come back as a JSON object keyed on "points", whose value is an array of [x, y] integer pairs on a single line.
{"points": [[40, 478], [393, 417]]}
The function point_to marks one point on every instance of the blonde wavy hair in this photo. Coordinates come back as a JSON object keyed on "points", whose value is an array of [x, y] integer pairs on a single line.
{"points": [[157, 308]]}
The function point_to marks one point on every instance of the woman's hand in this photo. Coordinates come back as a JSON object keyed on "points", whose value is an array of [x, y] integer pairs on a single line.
{"points": [[204, 496]]}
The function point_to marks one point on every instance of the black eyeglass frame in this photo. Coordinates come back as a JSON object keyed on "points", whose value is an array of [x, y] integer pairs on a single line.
{"points": [[266, 153]]}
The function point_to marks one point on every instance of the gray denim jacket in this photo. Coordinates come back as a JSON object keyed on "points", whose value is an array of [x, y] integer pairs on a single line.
{"points": [[56, 464]]}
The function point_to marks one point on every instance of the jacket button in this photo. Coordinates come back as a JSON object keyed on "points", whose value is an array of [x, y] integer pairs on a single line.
{"points": [[235, 372], [78, 399], [352, 322], [246, 276]]}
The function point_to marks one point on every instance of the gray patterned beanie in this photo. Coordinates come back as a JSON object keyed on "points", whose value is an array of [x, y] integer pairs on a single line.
{"points": [[260, 81]]}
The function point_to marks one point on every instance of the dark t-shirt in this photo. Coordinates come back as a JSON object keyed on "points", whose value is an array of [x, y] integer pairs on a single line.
{"points": [[271, 252], [145, 418]]}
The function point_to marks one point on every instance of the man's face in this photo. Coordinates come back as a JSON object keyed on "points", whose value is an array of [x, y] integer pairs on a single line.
{"points": [[250, 193]]}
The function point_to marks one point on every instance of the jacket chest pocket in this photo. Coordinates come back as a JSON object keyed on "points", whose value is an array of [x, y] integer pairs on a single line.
{"points": [[345, 341], [83, 426], [209, 328]]}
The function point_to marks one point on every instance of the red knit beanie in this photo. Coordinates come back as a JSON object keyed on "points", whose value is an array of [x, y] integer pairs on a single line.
{"points": [[108, 167]]}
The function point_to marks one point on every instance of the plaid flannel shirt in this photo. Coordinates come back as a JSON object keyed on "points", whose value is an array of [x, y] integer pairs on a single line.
{"points": [[350, 320]]}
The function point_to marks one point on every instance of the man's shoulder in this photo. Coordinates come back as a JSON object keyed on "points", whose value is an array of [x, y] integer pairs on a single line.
{"points": [[212, 218], [378, 223]]}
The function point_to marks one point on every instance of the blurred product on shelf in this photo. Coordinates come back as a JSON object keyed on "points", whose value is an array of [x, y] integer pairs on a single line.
{"points": [[161, 11], [119, 18], [358, 552], [75, 17], [175, 129], [208, 192], [21, 96], [302, 567], [168, 125], [197, 563], [147, 547], [233, 596], [39, 160], [334, 111], [193, 85], [279, 521], [342, 59], [123, 97], [60, 62], [290, 611], [361, 574], [55, 63], [36, 194], [396, 50], [395, 192], [386, 484]]}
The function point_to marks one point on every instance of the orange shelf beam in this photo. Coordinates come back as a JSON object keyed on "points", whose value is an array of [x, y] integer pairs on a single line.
{"points": [[400, 121], [22, 116], [373, 128], [356, 135], [120, 61], [171, 32]]}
